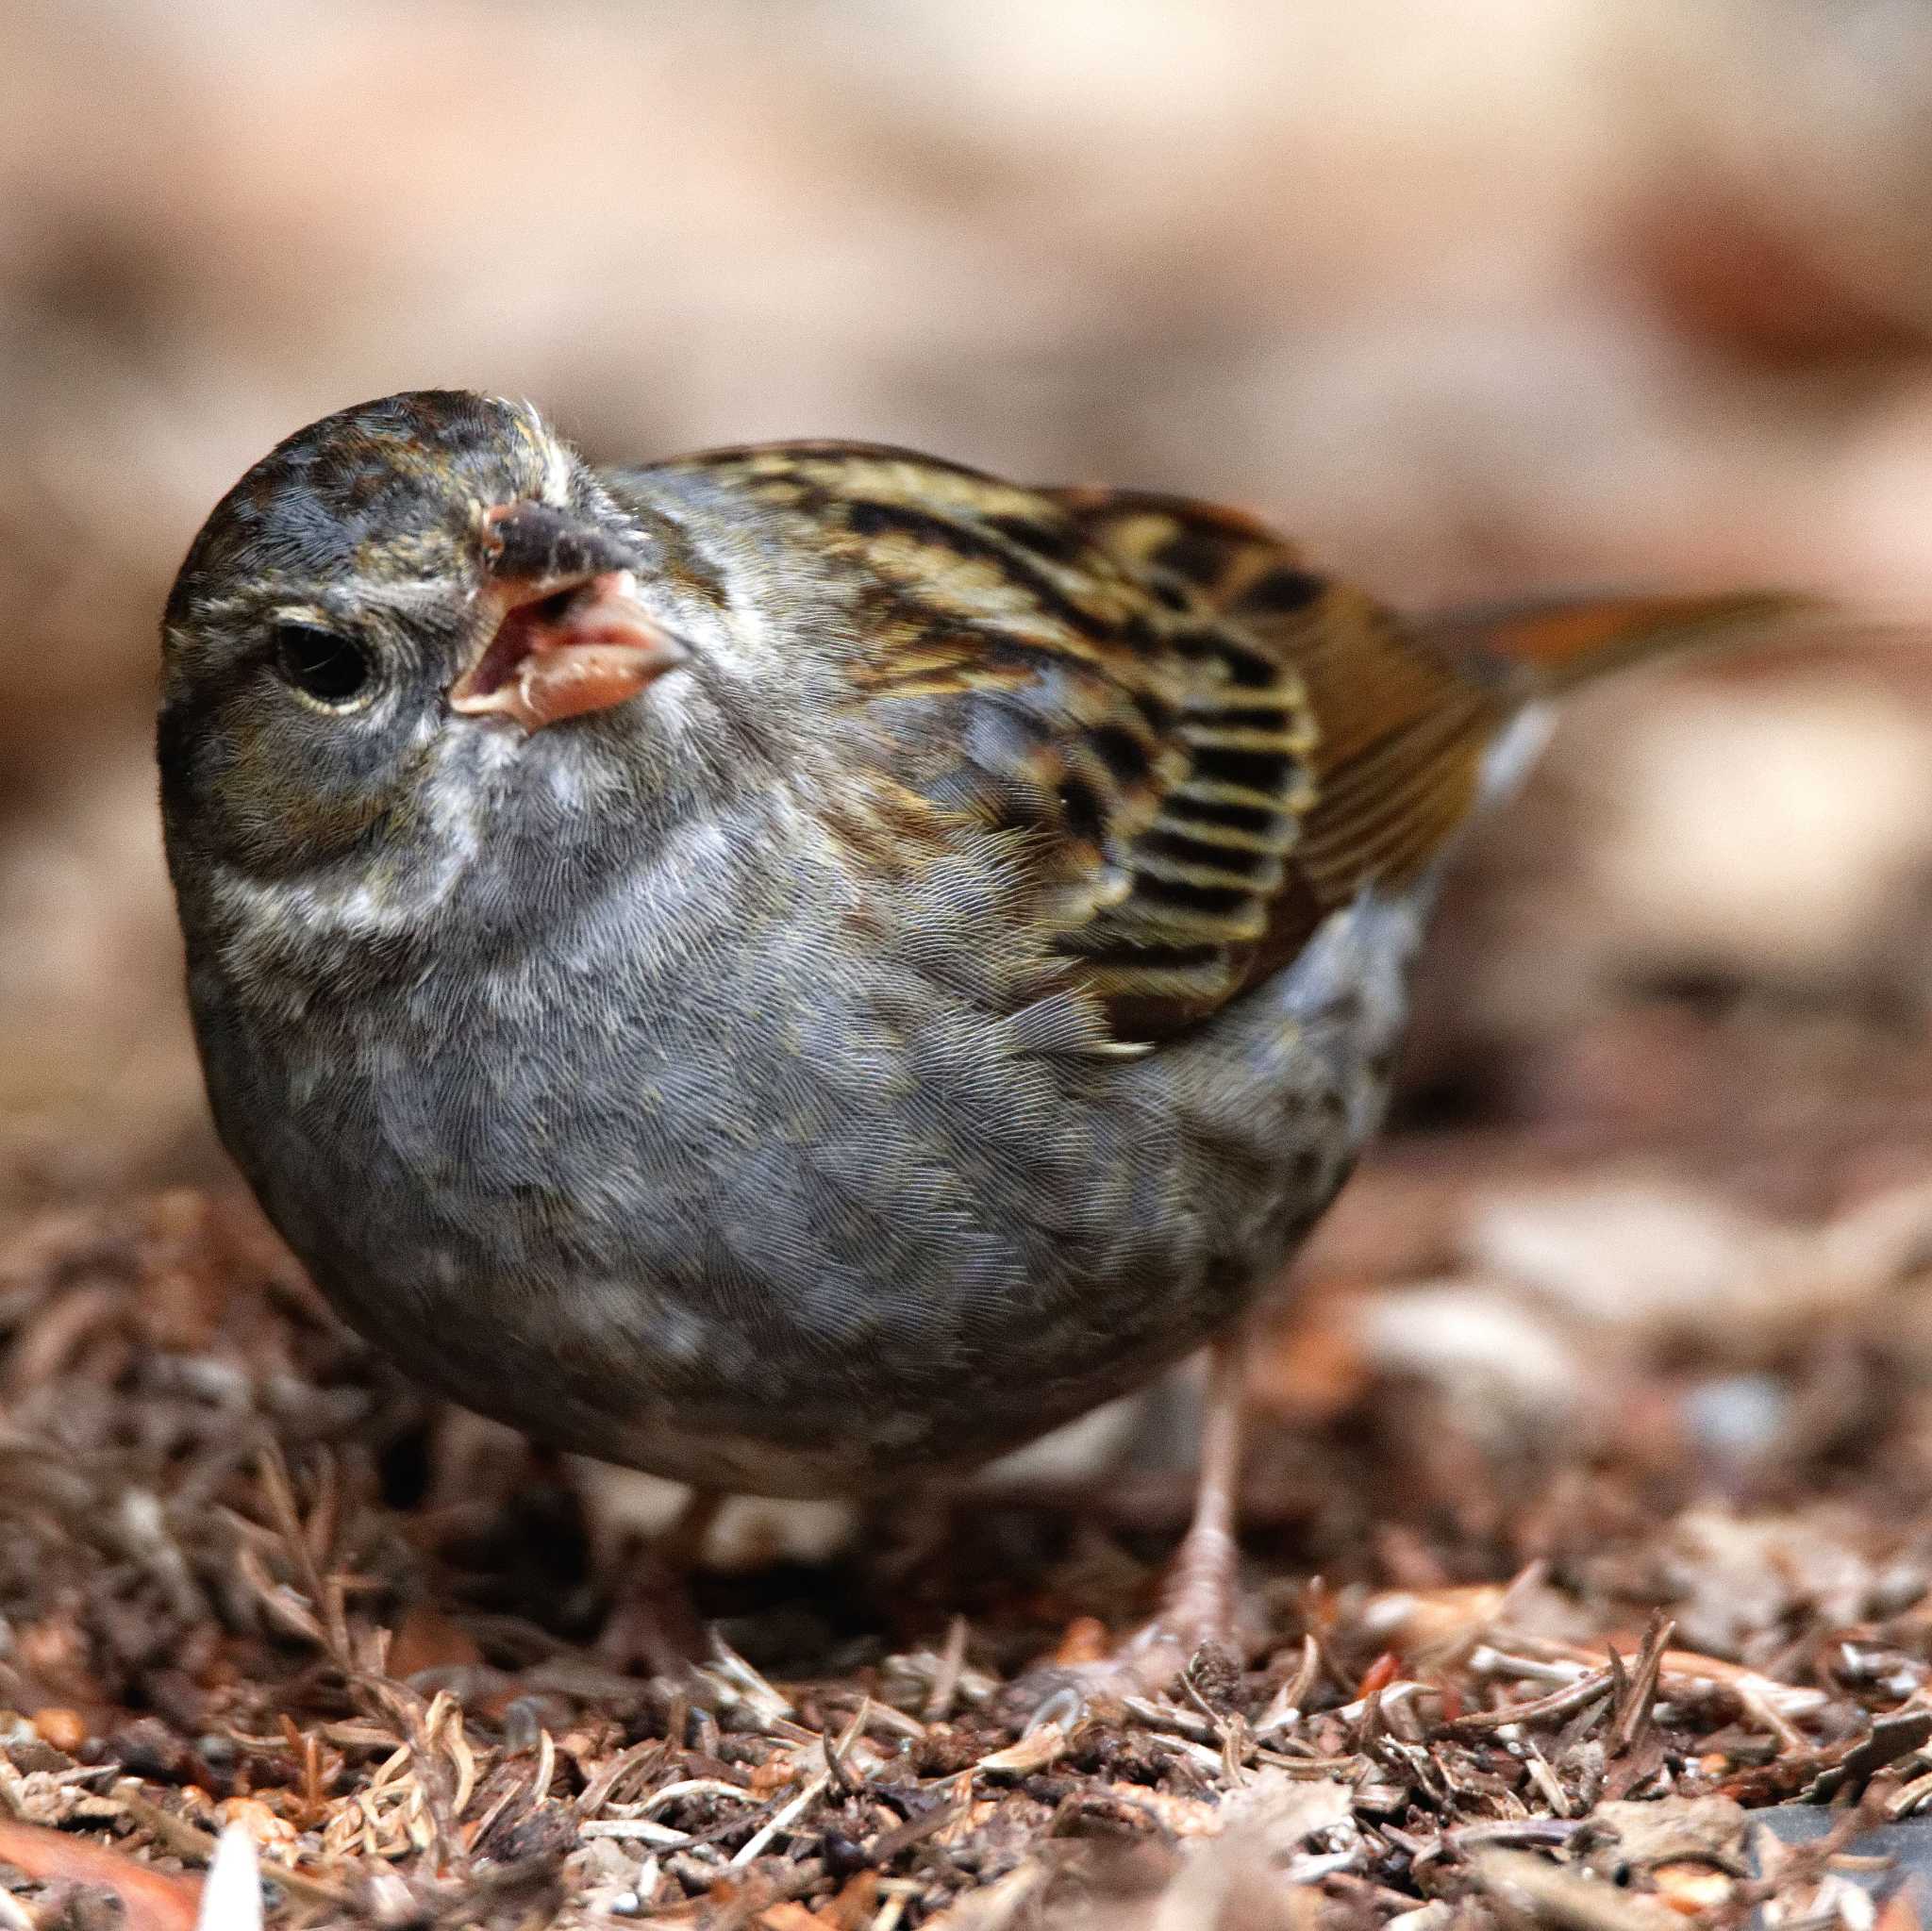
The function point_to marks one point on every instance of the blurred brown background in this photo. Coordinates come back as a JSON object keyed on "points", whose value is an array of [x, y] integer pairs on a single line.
{"points": [[1472, 298]]}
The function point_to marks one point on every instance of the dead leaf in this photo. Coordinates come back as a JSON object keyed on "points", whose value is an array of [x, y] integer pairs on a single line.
{"points": [[427, 1639], [153, 1899], [789, 1917]]}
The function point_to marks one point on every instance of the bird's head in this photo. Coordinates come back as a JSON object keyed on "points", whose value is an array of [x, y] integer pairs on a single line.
{"points": [[397, 595]]}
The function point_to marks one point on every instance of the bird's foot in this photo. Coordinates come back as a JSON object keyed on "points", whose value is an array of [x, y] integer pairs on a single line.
{"points": [[1160, 1659], [1193, 1634], [654, 1627]]}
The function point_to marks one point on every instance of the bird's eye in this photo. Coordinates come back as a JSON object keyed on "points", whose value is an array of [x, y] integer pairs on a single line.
{"points": [[323, 665]]}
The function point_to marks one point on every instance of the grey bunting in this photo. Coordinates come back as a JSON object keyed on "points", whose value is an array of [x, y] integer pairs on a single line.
{"points": [[801, 968]]}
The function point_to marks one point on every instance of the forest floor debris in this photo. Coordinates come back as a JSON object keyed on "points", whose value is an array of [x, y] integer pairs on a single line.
{"points": [[1502, 1670]]}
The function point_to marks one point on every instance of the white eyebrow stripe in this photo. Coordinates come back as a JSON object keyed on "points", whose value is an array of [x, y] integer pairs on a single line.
{"points": [[555, 488], [556, 474]]}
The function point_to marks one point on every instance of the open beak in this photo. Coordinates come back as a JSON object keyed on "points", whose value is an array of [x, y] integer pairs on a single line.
{"points": [[571, 634]]}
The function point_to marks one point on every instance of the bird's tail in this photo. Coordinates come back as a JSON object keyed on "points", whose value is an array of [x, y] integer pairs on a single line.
{"points": [[1536, 648]]}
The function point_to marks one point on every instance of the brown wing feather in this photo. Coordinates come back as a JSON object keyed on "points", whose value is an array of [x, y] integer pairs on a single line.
{"points": [[1400, 712], [1384, 736], [1202, 746]]}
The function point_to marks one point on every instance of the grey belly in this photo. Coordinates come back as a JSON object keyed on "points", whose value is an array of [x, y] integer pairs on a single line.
{"points": [[752, 1261], [758, 1334]]}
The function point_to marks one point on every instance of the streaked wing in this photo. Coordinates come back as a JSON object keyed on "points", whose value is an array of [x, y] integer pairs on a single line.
{"points": [[1387, 730], [1206, 746]]}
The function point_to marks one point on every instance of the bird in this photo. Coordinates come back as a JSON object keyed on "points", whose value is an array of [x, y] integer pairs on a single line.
{"points": [[802, 967]]}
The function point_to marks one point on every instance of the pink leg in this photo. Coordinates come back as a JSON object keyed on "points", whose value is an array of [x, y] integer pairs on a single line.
{"points": [[1197, 1598], [653, 1624]]}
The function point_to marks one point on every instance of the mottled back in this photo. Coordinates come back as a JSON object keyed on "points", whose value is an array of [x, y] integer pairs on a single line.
{"points": [[1206, 746]]}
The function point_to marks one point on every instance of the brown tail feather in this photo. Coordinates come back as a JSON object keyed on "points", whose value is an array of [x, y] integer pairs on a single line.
{"points": [[1551, 644]]}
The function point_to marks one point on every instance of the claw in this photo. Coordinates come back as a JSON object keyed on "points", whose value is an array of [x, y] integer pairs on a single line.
{"points": [[1198, 1612], [1066, 1706]]}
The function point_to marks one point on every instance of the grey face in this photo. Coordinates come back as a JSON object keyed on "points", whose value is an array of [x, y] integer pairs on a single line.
{"points": [[400, 592]]}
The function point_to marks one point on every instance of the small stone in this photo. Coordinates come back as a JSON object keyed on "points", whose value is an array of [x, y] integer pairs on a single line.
{"points": [[64, 1729]]}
